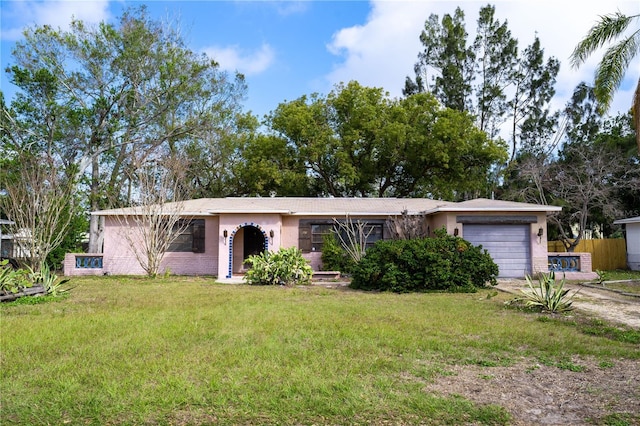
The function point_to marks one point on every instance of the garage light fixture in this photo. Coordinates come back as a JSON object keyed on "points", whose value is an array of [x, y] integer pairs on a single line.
{"points": [[225, 234]]}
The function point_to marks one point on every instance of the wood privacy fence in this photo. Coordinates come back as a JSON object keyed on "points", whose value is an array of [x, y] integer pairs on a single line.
{"points": [[606, 254]]}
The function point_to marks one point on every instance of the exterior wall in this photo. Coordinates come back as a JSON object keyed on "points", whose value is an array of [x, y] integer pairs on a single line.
{"points": [[315, 259], [69, 266], [292, 236], [538, 248], [234, 224], [633, 246], [290, 231], [119, 258], [444, 220], [585, 273], [238, 251]]}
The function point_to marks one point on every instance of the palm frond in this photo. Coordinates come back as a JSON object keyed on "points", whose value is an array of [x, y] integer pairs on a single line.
{"points": [[612, 68], [607, 29]]}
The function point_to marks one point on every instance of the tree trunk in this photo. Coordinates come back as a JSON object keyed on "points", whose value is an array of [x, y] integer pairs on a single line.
{"points": [[96, 234]]}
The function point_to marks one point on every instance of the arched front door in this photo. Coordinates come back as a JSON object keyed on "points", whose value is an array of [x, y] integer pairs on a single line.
{"points": [[246, 240]]}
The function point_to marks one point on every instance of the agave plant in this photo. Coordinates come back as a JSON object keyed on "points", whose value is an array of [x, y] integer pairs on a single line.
{"points": [[48, 279], [547, 295]]}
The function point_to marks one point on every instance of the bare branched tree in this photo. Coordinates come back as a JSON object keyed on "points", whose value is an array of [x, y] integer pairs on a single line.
{"points": [[584, 183], [157, 218], [39, 199], [407, 227], [353, 236]]}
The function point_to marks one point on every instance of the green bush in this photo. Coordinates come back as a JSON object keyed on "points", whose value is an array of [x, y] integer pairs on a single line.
{"points": [[12, 280], [444, 263], [334, 256], [284, 267]]}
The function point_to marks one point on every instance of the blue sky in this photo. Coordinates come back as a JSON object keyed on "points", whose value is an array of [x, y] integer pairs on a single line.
{"points": [[288, 49]]}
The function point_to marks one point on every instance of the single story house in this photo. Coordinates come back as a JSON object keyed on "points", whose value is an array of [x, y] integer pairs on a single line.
{"points": [[223, 232], [632, 226]]}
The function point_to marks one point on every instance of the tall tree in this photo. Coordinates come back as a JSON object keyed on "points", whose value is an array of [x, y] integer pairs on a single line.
{"points": [[449, 59], [131, 88], [37, 185], [359, 142], [496, 52], [492, 81], [586, 176], [532, 122], [616, 59]]}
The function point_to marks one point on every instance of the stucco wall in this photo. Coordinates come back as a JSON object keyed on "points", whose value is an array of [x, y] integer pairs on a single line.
{"points": [[231, 256], [289, 234], [120, 259]]}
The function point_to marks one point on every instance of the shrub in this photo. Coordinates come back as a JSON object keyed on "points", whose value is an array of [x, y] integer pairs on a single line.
{"points": [[444, 263], [12, 280], [334, 257], [284, 267], [546, 295]]}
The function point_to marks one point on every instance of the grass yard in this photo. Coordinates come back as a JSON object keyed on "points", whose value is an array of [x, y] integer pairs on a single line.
{"points": [[190, 351]]}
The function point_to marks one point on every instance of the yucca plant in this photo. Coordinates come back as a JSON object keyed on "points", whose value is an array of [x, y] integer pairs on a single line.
{"points": [[48, 279], [547, 295]]}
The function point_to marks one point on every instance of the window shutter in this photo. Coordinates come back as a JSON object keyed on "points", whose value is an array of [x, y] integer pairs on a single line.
{"points": [[304, 236], [198, 236]]}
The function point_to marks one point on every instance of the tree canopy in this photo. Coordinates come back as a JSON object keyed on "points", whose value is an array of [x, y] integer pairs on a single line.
{"points": [[357, 141], [106, 98]]}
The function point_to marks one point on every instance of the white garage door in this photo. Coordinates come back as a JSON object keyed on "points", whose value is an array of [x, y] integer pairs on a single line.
{"points": [[508, 245]]}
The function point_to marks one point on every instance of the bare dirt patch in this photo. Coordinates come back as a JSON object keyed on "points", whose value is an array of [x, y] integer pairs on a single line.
{"points": [[539, 394], [536, 394]]}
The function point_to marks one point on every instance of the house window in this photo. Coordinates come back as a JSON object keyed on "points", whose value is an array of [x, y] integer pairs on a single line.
{"points": [[312, 233], [318, 231], [190, 238]]}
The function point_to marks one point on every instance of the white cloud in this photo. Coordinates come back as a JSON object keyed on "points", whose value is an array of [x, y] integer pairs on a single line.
{"points": [[233, 58], [291, 7], [382, 51], [57, 14]]}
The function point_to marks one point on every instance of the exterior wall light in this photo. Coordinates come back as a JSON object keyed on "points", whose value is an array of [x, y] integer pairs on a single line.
{"points": [[540, 234], [456, 232], [271, 235], [225, 234]]}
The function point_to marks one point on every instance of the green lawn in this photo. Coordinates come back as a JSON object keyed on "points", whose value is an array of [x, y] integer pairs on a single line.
{"points": [[190, 351]]}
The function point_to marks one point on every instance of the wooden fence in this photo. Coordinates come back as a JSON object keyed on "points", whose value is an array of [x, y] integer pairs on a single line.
{"points": [[606, 254]]}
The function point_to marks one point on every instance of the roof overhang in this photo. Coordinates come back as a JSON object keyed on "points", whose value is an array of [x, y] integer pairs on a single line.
{"points": [[524, 209], [627, 221]]}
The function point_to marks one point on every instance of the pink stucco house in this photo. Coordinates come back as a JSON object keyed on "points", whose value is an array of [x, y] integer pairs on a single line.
{"points": [[223, 232]]}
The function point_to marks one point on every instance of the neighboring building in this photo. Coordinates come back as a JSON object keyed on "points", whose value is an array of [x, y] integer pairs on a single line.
{"points": [[6, 240], [225, 231], [632, 226]]}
